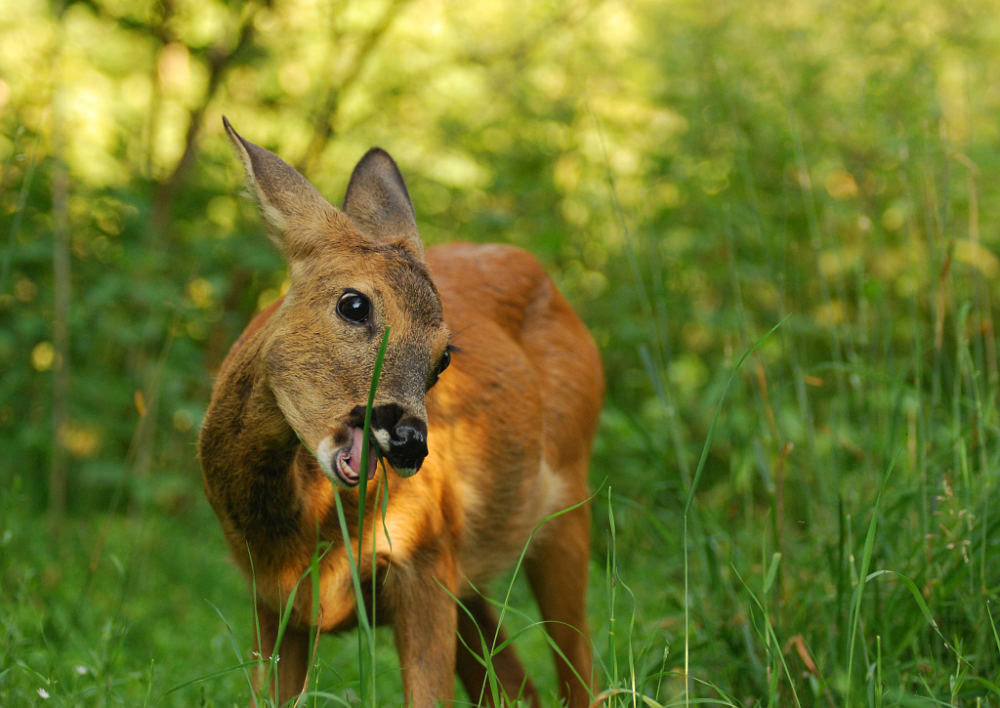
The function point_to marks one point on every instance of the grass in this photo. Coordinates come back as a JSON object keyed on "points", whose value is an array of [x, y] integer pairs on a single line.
{"points": [[884, 594]]}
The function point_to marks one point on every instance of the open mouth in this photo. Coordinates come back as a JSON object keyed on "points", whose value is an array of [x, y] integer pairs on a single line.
{"points": [[347, 460]]}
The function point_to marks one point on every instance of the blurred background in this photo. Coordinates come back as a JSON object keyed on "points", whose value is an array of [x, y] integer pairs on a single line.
{"points": [[780, 221]]}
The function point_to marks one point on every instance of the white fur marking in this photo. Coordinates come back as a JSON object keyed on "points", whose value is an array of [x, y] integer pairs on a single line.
{"points": [[551, 492], [272, 214], [325, 453], [382, 438]]}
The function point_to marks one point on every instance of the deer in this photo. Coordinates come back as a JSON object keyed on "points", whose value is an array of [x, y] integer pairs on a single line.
{"points": [[480, 437]]}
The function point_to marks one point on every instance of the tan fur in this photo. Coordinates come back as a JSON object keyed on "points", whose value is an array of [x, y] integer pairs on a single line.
{"points": [[509, 432]]}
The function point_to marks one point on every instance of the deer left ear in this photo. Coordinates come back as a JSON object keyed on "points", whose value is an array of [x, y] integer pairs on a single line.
{"points": [[378, 201], [294, 212]]}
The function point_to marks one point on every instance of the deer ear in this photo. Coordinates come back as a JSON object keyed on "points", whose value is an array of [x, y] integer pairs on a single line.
{"points": [[378, 201], [293, 209]]}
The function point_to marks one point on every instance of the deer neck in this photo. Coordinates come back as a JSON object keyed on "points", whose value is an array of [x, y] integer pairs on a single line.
{"points": [[247, 450]]}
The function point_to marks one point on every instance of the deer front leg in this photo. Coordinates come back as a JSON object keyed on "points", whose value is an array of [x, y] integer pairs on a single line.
{"points": [[289, 679], [425, 627]]}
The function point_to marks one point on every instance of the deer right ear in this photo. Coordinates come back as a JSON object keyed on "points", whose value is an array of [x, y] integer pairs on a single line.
{"points": [[378, 201], [292, 208]]}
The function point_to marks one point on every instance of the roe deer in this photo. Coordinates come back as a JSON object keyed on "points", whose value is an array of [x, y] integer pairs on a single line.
{"points": [[501, 442]]}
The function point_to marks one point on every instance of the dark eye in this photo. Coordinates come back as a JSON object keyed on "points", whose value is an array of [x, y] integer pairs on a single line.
{"points": [[442, 365], [354, 307], [445, 360]]}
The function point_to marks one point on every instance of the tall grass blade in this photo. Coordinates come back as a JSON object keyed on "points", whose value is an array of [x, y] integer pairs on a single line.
{"points": [[366, 635], [866, 558]]}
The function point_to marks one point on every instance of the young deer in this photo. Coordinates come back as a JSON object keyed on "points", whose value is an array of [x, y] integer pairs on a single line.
{"points": [[501, 442]]}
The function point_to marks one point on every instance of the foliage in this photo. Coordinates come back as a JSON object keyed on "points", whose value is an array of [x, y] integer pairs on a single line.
{"points": [[694, 174]]}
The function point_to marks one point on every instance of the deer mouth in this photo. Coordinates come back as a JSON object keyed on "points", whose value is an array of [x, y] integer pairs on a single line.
{"points": [[345, 463]]}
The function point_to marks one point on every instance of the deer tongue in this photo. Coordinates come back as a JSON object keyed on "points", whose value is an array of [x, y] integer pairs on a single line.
{"points": [[355, 459]]}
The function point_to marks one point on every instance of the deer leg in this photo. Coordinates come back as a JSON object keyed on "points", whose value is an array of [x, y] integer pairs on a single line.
{"points": [[477, 623], [425, 629], [293, 657], [557, 571]]}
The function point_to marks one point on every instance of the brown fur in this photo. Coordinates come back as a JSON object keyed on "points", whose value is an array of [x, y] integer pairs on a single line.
{"points": [[510, 426]]}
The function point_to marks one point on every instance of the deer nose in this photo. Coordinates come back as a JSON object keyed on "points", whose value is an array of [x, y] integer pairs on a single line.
{"points": [[402, 437], [408, 444]]}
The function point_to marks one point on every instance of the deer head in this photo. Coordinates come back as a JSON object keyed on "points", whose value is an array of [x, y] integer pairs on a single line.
{"points": [[353, 272]]}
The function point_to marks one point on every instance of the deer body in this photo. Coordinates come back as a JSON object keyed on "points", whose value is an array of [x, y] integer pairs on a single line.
{"points": [[502, 440]]}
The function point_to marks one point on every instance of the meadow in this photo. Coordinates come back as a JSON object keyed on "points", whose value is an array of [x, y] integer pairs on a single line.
{"points": [[781, 222]]}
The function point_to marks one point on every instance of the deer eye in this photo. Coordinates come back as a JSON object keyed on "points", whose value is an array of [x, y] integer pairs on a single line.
{"points": [[354, 307], [442, 365], [445, 360]]}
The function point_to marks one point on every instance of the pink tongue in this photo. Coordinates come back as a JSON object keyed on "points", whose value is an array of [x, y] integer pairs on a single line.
{"points": [[355, 461]]}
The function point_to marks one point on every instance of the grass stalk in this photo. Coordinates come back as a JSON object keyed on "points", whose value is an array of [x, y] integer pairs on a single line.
{"points": [[866, 559], [366, 634]]}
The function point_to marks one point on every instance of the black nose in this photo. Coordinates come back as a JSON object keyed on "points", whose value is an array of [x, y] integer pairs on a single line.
{"points": [[407, 436], [408, 444]]}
